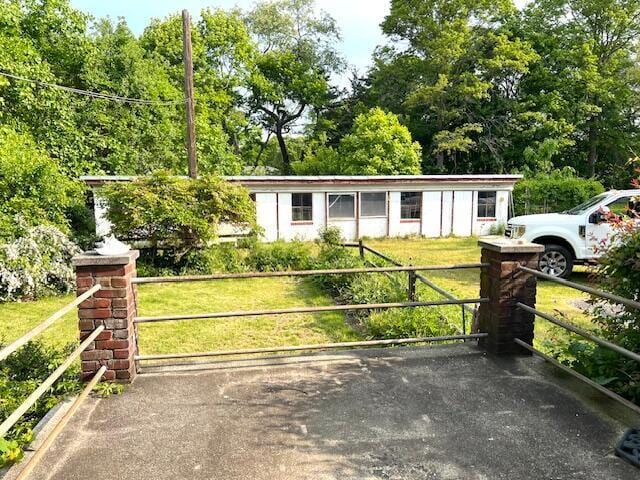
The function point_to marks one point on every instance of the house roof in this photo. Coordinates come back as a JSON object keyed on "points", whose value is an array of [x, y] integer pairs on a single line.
{"points": [[249, 180]]}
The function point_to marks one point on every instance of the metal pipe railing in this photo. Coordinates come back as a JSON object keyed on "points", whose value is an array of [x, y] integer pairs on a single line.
{"points": [[327, 308], [12, 347], [581, 332], [381, 255], [42, 449], [322, 346], [583, 288], [422, 278], [572, 372], [37, 393], [299, 273]]}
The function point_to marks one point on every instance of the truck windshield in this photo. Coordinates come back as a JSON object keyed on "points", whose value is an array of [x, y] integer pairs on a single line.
{"points": [[583, 207]]}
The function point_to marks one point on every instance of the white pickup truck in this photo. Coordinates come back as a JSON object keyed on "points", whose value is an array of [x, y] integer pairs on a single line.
{"points": [[574, 236]]}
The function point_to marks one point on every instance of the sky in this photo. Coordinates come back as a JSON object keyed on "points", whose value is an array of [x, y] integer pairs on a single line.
{"points": [[358, 20]]}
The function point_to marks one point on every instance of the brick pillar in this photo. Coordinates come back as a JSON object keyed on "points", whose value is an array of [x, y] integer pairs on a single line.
{"points": [[114, 306], [505, 286]]}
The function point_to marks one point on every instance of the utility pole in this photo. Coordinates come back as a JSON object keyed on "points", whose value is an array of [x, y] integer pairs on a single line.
{"points": [[188, 93]]}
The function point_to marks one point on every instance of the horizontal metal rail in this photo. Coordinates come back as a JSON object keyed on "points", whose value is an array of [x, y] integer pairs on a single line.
{"points": [[422, 278], [12, 347], [581, 332], [322, 346], [42, 449], [327, 308], [44, 386], [441, 291], [299, 273], [381, 255], [588, 381], [583, 288]]}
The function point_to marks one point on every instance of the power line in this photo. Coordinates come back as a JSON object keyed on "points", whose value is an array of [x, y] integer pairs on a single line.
{"points": [[103, 96]]}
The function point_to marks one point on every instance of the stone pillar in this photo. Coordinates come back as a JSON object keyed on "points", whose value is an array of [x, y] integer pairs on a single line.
{"points": [[114, 306], [505, 286]]}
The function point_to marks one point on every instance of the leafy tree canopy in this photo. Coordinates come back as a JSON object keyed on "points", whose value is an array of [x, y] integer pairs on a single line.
{"points": [[377, 145]]}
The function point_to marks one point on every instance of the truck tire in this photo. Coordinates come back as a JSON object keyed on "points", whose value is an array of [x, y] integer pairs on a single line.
{"points": [[556, 260]]}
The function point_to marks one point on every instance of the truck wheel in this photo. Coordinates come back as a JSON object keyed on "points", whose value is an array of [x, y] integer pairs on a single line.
{"points": [[556, 260]]}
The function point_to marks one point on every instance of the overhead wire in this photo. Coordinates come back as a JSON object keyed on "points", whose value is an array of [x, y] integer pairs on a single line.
{"points": [[98, 95]]}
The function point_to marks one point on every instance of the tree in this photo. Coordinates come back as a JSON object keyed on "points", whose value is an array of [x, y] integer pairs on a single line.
{"points": [[589, 77], [223, 56], [459, 58], [176, 214], [32, 186], [292, 68], [377, 145], [128, 138]]}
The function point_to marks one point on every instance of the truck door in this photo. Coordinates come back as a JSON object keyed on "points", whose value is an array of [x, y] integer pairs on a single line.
{"points": [[598, 235]]}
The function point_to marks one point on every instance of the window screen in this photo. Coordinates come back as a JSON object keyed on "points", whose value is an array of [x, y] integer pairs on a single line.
{"points": [[301, 207], [410, 205], [373, 204], [342, 206], [486, 204]]}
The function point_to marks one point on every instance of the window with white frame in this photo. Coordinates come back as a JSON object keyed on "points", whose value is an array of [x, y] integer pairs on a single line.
{"points": [[342, 205], [410, 205], [487, 204], [373, 204], [301, 207]]}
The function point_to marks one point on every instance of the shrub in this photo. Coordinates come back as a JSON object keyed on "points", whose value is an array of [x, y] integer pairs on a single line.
{"points": [[280, 255], [618, 272], [37, 263], [331, 256], [378, 144], [553, 192], [176, 215], [32, 185], [407, 323], [20, 374]]}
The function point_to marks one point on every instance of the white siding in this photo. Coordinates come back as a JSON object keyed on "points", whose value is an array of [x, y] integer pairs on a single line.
{"points": [[447, 199], [431, 214], [462, 213], [441, 214], [394, 214], [266, 215]]}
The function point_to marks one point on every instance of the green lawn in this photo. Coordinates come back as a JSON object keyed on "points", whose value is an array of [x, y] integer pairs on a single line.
{"points": [[201, 297], [552, 298], [245, 294]]}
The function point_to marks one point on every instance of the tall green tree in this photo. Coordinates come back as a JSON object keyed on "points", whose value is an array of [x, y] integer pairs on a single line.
{"points": [[296, 57], [458, 58], [223, 55], [589, 77], [377, 145]]}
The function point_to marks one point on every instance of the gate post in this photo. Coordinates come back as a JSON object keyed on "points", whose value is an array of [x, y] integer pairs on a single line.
{"points": [[113, 306], [504, 285]]}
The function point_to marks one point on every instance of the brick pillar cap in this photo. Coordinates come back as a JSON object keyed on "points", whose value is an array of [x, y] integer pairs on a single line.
{"points": [[508, 245], [91, 258]]}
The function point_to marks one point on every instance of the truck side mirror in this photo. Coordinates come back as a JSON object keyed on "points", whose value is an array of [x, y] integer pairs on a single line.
{"points": [[600, 216]]}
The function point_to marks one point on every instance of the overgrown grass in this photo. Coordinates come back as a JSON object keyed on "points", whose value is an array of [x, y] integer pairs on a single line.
{"points": [[244, 294], [552, 298], [242, 332], [202, 297]]}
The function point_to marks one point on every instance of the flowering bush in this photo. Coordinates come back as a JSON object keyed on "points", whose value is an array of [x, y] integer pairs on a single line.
{"points": [[618, 272], [36, 263]]}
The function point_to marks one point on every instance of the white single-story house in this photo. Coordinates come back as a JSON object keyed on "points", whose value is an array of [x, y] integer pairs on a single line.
{"points": [[298, 207]]}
